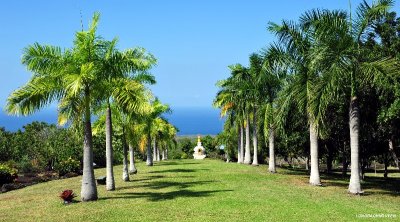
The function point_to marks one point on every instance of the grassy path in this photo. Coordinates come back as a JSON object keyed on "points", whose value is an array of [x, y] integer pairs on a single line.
{"points": [[209, 190]]}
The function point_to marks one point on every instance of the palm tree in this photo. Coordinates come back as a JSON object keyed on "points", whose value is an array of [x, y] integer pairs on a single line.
{"points": [[166, 138], [255, 92], [262, 90], [115, 67], [155, 110], [231, 102], [70, 77], [240, 76], [300, 88], [132, 167], [268, 84], [164, 133], [339, 55], [128, 106], [135, 133]]}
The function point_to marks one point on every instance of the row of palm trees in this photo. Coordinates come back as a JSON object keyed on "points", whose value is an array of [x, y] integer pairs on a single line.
{"points": [[314, 62], [94, 80]]}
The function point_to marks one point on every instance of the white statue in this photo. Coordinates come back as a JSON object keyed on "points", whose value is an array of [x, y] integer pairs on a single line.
{"points": [[199, 151]]}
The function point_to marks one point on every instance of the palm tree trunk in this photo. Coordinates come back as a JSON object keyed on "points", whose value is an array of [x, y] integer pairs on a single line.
{"points": [[255, 141], [110, 182], [247, 158], [239, 143], [158, 153], [166, 153], [385, 162], [314, 175], [89, 189], [354, 122], [307, 163], [392, 151], [154, 150], [125, 173], [271, 140], [149, 161], [132, 167], [163, 154]]}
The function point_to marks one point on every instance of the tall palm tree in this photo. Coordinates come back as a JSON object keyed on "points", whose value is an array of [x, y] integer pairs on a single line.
{"points": [[166, 138], [231, 101], [70, 77], [237, 84], [128, 106], [135, 133], [155, 110], [164, 133], [132, 167], [298, 43], [339, 55], [268, 84], [255, 92], [115, 67]]}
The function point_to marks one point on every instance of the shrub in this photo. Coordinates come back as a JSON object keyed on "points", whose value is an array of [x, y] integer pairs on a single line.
{"points": [[68, 166], [67, 196], [25, 165], [7, 174], [215, 155], [184, 156]]}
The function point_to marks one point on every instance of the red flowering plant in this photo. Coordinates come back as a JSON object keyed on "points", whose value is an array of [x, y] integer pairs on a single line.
{"points": [[67, 196]]}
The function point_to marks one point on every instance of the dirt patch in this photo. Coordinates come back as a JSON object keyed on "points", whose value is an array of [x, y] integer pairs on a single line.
{"points": [[28, 179]]}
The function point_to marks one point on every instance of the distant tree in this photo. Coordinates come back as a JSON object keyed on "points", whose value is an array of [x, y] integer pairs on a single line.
{"points": [[6, 150], [186, 145], [209, 144]]}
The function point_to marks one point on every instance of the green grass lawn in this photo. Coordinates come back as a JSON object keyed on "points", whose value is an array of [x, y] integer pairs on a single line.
{"points": [[208, 190]]}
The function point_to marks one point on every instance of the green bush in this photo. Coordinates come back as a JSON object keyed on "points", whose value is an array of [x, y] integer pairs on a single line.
{"points": [[184, 156], [25, 165], [68, 166], [7, 174], [216, 155]]}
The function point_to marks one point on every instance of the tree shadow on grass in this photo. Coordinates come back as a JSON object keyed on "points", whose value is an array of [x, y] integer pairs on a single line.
{"points": [[293, 171], [181, 185], [156, 185], [155, 196], [382, 186], [371, 185], [153, 177], [177, 171], [170, 163]]}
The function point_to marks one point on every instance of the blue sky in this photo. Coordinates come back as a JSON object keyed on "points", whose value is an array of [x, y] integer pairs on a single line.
{"points": [[194, 41]]}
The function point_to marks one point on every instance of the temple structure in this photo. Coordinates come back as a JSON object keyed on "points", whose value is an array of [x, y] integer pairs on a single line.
{"points": [[199, 151]]}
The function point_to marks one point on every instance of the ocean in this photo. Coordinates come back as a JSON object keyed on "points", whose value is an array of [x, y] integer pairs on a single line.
{"points": [[189, 120]]}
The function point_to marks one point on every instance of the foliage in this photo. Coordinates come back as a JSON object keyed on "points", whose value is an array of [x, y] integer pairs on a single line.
{"points": [[68, 166], [39, 146], [175, 153], [7, 174], [6, 149], [25, 165], [186, 145], [209, 143], [184, 156]]}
